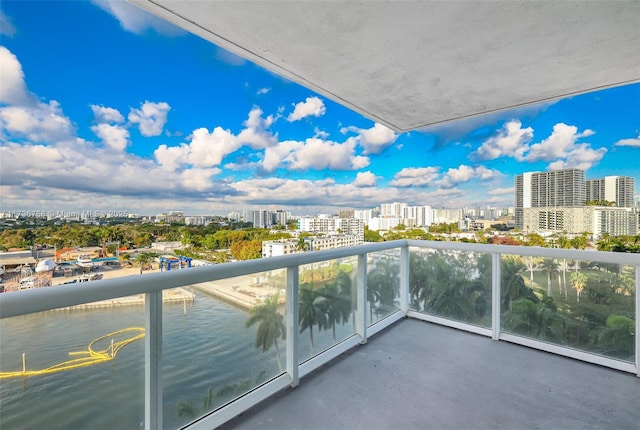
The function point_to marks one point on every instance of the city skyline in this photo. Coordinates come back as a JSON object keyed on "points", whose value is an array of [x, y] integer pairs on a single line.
{"points": [[137, 114]]}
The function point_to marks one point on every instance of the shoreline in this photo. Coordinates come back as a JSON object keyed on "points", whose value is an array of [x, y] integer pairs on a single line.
{"points": [[244, 292]]}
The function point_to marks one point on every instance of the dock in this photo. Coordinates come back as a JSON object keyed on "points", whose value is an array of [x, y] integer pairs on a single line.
{"points": [[175, 295]]}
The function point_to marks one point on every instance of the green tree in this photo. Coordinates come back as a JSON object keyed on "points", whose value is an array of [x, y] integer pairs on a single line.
{"points": [[372, 236], [618, 337], [578, 282], [551, 267]]}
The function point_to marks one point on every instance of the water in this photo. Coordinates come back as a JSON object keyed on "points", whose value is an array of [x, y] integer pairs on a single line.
{"points": [[209, 348]]}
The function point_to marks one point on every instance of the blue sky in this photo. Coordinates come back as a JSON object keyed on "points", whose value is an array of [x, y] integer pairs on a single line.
{"points": [[112, 109]]}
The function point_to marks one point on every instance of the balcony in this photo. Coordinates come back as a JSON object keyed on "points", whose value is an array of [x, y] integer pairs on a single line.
{"points": [[350, 357]]}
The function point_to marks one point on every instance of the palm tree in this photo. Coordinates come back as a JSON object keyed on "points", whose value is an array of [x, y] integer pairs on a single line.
{"points": [[271, 326], [550, 265], [578, 282], [312, 310], [512, 283]]}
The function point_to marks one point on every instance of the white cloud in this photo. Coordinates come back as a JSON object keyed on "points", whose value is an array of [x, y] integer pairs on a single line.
{"points": [[135, 19], [208, 149], [41, 123], [106, 114], [634, 142], [415, 177], [6, 27], [320, 134], [558, 144], [42, 158], [13, 89], [365, 179], [373, 140], [114, 136], [511, 141], [561, 148], [312, 106], [256, 134], [580, 156], [151, 117], [198, 179], [262, 91], [464, 173], [171, 157], [315, 154]]}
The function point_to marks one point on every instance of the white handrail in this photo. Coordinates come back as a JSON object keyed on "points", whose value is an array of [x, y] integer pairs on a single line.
{"points": [[43, 299]]}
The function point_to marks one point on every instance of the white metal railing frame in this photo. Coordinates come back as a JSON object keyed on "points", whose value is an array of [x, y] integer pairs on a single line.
{"points": [[495, 332], [43, 299]]}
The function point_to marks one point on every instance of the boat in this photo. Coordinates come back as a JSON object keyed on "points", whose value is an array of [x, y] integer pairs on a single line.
{"points": [[45, 266], [86, 278], [27, 283], [84, 261]]}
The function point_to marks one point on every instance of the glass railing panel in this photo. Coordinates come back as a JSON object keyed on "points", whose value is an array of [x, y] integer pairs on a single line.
{"points": [[84, 367], [327, 304], [585, 305], [383, 284], [225, 341], [451, 284]]}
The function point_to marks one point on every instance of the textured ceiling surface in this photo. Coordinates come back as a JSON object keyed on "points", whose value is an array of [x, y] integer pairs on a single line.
{"points": [[409, 65]]}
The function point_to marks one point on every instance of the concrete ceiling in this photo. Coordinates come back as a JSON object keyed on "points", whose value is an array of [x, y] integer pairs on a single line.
{"points": [[409, 65]]}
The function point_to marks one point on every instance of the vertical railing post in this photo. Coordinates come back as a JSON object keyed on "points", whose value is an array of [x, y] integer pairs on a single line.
{"points": [[637, 318], [404, 279], [361, 298], [153, 361], [292, 321], [495, 296]]}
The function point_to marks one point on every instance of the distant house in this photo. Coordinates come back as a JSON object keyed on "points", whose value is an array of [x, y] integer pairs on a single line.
{"points": [[71, 254]]}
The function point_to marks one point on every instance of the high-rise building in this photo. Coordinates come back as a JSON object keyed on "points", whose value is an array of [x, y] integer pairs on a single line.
{"points": [[558, 188], [618, 189], [392, 210]]}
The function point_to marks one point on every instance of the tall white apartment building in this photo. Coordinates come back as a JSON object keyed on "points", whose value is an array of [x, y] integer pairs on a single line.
{"points": [[365, 215], [198, 220], [392, 210], [558, 188], [422, 215], [266, 218], [235, 216], [388, 223], [619, 189]]}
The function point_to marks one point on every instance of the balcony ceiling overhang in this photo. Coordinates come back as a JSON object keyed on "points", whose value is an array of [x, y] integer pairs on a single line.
{"points": [[409, 65]]}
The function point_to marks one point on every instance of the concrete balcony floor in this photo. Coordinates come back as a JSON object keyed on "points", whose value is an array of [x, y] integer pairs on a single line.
{"points": [[418, 375]]}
